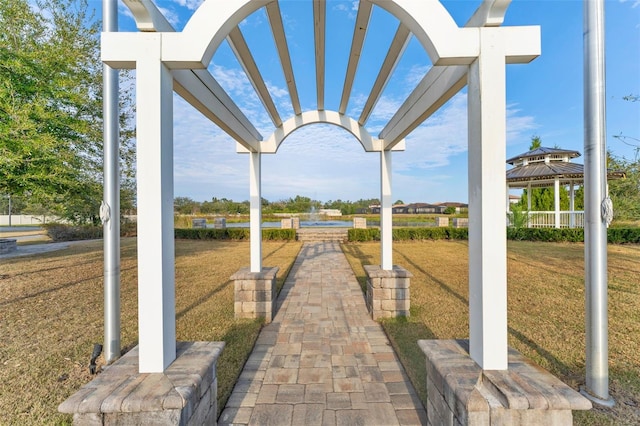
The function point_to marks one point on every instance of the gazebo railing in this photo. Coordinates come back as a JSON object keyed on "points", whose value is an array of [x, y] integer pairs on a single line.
{"points": [[547, 219]]}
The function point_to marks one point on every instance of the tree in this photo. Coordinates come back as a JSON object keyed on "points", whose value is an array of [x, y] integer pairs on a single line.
{"points": [[625, 193], [536, 142], [51, 108]]}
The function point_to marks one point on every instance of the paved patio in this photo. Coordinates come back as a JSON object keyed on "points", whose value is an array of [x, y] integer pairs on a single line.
{"points": [[323, 360]]}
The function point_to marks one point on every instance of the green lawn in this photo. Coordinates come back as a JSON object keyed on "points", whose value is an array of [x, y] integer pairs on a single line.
{"points": [[545, 310], [51, 315]]}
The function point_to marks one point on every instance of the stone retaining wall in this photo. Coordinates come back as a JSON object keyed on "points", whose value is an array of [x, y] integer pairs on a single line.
{"points": [[8, 245], [185, 394], [461, 393]]}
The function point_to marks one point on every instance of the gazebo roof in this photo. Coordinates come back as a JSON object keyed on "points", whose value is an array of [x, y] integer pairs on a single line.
{"points": [[544, 173], [542, 152]]}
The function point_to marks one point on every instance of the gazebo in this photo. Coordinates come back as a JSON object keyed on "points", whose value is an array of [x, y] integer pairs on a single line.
{"points": [[545, 167]]}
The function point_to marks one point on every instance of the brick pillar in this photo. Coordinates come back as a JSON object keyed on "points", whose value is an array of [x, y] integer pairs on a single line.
{"points": [[388, 293], [255, 293]]}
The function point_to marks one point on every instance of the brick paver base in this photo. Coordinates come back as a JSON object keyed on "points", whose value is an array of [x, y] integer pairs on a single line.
{"points": [[323, 360]]}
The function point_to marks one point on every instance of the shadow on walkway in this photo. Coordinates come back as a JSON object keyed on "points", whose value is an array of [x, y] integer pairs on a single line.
{"points": [[323, 360]]}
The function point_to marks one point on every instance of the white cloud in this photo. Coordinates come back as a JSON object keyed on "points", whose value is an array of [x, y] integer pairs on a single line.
{"points": [[416, 74], [634, 3], [171, 15], [350, 9], [189, 4]]}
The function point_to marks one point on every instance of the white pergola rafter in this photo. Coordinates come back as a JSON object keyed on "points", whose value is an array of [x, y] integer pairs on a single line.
{"points": [[399, 43], [277, 28], [319, 29], [359, 33], [243, 54], [198, 87], [474, 55], [441, 83]]}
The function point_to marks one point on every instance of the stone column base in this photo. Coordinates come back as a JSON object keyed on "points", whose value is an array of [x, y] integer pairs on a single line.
{"points": [[388, 293], [185, 394], [255, 293], [461, 393], [8, 245]]}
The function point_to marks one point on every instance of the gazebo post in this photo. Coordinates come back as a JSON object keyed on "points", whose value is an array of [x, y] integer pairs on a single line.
{"points": [[556, 201], [572, 214], [529, 205]]}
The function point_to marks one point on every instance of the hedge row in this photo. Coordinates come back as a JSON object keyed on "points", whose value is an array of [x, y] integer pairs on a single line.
{"points": [[232, 234], [615, 235], [60, 232], [404, 234]]}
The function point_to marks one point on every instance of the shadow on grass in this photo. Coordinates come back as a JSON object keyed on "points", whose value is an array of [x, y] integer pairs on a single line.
{"points": [[54, 289], [559, 367], [239, 341], [364, 259], [274, 251], [441, 283], [202, 299], [404, 335]]}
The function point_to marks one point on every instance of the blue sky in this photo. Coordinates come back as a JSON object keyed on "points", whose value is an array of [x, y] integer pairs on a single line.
{"points": [[324, 162]]}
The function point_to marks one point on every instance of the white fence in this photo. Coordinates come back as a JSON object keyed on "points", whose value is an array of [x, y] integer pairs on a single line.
{"points": [[25, 219]]}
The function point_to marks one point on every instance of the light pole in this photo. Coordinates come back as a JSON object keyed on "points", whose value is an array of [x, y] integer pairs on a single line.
{"points": [[110, 208], [596, 202]]}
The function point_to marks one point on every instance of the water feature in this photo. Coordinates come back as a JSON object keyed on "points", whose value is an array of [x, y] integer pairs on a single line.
{"points": [[303, 224]]}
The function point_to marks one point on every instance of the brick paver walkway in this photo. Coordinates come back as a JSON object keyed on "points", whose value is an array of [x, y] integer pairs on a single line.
{"points": [[323, 360]]}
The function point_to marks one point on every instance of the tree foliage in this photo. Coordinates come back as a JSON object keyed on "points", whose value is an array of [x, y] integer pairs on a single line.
{"points": [[297, 204], [51, 107], [625, 193]]}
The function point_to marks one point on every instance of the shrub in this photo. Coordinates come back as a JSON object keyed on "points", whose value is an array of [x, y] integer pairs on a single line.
{"points": [[278, 234], [360, 235], [402, 234], [60, 232], [457, 233], [623, 235], [237, 233], [232, 234], [569, 235]]}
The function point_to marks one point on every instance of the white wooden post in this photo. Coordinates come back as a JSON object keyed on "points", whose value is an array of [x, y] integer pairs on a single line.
{"points": [[508, 207], [529, 205], [386, 219], [556, 201], [572, 206], [255, 218], [156, 287], [487, 233]]}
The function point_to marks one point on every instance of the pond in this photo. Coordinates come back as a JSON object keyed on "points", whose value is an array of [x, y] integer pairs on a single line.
{"points": [[303, 224]]}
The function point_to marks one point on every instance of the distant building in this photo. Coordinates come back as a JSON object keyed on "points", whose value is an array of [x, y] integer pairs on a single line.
{"points": [[421, 208], [330, 212]]}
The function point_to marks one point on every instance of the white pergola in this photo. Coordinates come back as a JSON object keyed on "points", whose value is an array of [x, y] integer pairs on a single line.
{"points": [[168, 61]]}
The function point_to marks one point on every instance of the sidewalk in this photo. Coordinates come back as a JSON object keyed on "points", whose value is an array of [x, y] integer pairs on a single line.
{"points": [[323, 360]]}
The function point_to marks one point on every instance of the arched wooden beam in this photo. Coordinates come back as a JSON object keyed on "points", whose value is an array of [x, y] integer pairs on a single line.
{"points": [[368, 142]]}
